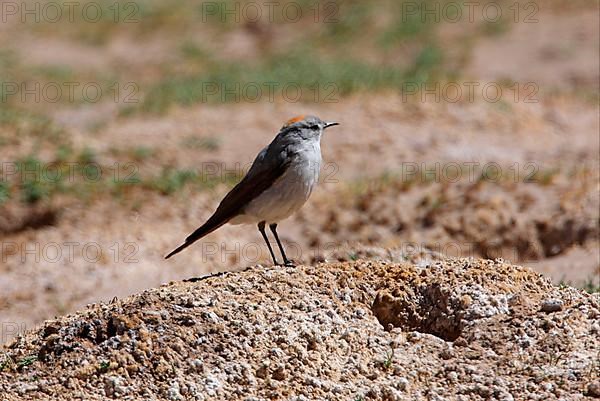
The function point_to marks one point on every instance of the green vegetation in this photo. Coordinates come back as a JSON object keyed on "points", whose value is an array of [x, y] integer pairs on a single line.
{"points": [[29, 124], [294, 76], [28, 360], [79, 174], [298, 75], [87, 155], [142, 153], [592, 285], [325, 64], [4, 192], [424, 173], [6, 363], [208, 143], [173, 180], [104, 366], [34, 181], [544, 176], [389, 360], [404, 28]]}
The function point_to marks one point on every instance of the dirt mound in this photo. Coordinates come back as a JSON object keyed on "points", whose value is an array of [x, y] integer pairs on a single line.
{"points": [[460, 328]]}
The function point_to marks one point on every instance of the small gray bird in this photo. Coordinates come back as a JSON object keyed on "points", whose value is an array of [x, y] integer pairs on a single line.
{"points": [[278, 184]]}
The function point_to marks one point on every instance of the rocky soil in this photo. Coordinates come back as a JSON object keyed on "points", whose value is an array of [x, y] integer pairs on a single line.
{"points": [[463, 329]]}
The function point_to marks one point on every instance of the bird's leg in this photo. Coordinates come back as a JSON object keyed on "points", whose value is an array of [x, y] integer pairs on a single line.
{"points": [[261, 228], [286, 261]]}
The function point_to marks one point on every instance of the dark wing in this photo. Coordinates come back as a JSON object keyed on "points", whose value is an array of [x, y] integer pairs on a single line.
{"points": [[266, 169]]}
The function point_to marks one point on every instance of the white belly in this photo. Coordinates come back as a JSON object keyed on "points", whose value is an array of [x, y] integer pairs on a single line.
{"points": [[286, 196]]}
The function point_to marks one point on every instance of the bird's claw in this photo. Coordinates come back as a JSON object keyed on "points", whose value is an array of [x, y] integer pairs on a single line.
{"points": [[289, 263]]}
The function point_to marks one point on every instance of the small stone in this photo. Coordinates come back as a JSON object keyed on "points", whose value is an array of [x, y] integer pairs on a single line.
{"points": [[211, 385], [402, 384], [174, 393], [197, 365], [453, 377], [552, 305], [186, 320], [279, 373], [593, 389], [113, 386], [446, 354], [262, 371], [414, 336]]}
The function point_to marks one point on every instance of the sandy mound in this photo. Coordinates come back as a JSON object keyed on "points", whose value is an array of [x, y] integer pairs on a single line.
{"points": [[453, 329]]}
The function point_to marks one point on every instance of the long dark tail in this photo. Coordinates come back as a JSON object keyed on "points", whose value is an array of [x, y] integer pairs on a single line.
{"points": [[211, 225]]}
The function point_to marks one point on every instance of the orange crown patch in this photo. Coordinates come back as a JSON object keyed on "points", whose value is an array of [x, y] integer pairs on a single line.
{"points": [[294, 120]]}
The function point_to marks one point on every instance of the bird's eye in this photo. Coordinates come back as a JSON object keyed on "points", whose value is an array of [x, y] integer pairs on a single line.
{"points": [[315, 126]]}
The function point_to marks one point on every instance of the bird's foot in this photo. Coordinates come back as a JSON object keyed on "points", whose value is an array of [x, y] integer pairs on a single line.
{"points": [[289, 263]]}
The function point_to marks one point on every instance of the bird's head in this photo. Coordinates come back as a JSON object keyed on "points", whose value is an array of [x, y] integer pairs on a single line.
{"points": [[308, 126]]}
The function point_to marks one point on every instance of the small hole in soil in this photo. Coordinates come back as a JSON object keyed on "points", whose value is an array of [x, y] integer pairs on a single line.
{"points": [[428, 310]]}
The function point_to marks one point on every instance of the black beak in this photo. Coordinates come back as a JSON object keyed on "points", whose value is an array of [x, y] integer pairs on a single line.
{"points": [[331, 124]]}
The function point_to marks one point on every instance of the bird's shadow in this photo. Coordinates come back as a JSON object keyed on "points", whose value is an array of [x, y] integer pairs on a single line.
{"points": [[217, 274]]}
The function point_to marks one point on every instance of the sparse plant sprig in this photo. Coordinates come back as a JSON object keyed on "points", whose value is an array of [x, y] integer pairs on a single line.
{"points": [[6, 362], [28, 360], [104, 366], [389, 360]]}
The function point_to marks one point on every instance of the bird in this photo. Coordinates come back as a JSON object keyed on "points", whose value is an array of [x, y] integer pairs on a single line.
{"points": [[278, 184]]}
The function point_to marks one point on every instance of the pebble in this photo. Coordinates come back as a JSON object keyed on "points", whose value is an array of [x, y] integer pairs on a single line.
{"points": [[173, 393], [452, 376], [402, 383], [593, 389], [552, 305], [113, 386]]}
